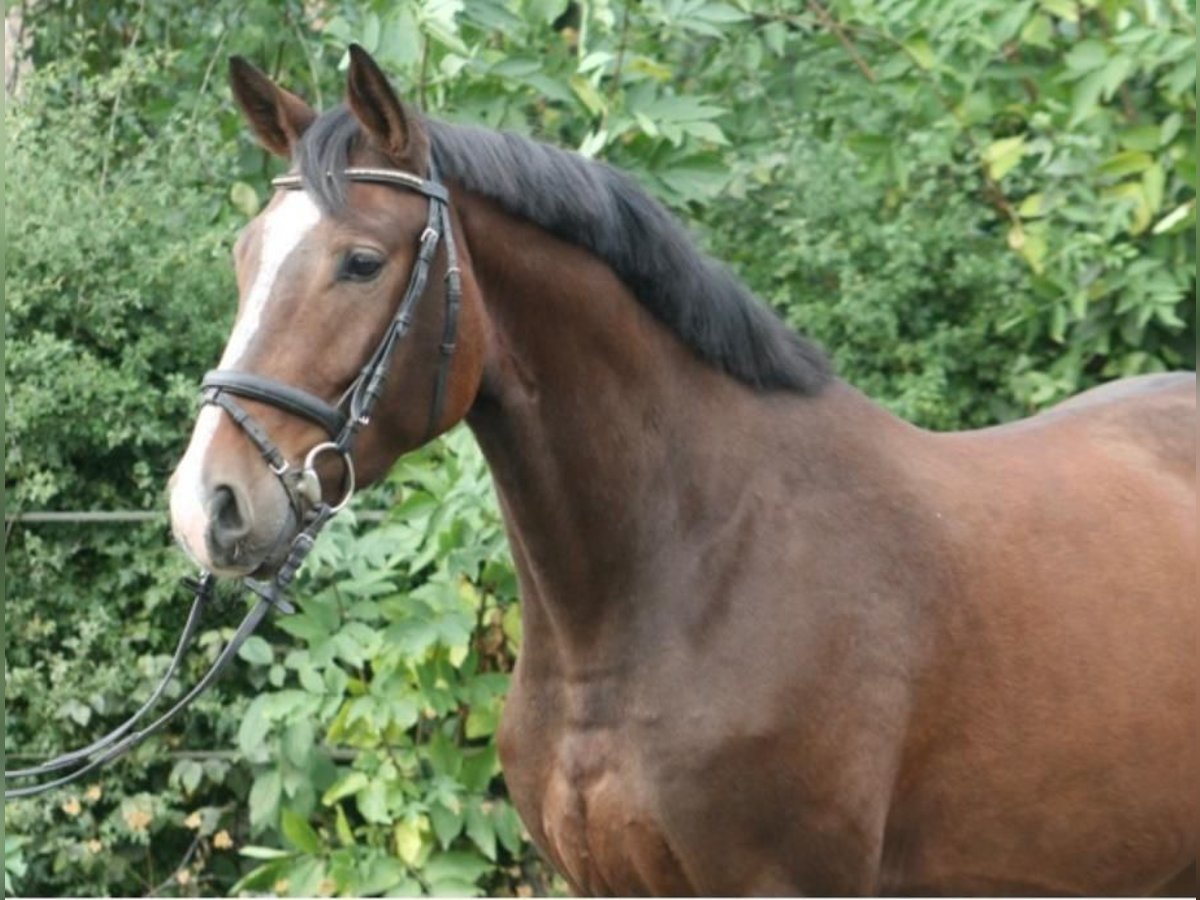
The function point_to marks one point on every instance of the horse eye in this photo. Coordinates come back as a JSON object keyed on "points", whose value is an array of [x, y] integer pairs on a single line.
{"points": [[360, 265]]}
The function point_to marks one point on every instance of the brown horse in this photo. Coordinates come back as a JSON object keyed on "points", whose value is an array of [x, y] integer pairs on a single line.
{"points": [[776, 640]]}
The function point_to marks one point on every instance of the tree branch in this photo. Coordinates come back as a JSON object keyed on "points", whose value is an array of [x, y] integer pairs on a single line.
{"points": [[833, 25], [187, 858]]}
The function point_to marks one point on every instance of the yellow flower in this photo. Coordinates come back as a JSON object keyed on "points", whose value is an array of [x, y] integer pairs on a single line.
{"points": [[183, 876], [281, 886], [72, 807], [194, 821], [325, 887], [137, 819], [222, 840], [94, 846], [94, 793]]}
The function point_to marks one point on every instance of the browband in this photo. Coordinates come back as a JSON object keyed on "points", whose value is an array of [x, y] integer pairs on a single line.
{"points": [[431, 189]]}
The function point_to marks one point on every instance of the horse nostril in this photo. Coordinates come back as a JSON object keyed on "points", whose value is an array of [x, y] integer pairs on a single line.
{"points": [[229, 524]]}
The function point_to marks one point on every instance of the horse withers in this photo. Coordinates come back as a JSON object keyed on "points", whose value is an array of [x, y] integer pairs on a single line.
{"points": [[775, 639]]}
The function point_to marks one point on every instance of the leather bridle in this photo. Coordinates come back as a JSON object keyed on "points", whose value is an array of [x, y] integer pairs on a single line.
{"points": [[341, 421]]}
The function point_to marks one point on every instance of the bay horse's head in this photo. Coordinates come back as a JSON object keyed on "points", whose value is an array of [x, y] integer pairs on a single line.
{"points": [[357, 336]]}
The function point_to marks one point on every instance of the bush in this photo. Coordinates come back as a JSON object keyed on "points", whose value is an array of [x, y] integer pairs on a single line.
{"points": [[906, 295], [118, 291]]}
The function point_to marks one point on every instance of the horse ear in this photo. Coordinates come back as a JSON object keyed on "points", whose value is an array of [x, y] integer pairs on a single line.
{"points": [[392, 128], [277, 117]]}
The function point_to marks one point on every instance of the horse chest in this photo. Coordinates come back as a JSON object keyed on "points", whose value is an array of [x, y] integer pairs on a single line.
{"points": [[586, 800]]}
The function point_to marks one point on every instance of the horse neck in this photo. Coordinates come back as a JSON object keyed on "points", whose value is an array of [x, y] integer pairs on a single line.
{"points": [[612, 447]]}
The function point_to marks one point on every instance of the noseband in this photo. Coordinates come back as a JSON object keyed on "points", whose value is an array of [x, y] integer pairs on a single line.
{"points": [[341, 422]]}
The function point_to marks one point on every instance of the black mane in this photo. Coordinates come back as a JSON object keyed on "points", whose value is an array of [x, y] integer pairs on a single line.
{"points": [[603, 210]]}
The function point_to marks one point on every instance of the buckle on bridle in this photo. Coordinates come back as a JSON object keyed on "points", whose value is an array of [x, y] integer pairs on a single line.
{"points": [[310, 481]]}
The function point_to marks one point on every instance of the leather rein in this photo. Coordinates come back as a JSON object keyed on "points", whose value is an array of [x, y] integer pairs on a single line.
{"points": [[341, 422]]}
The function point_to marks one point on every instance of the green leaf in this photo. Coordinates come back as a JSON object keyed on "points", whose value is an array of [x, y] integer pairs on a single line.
{"points": [[774, 34], [188, 773], [444, 755], [594, 60], [399, 39], [298, 742], [481, 830], [302, 875], [719, 13], [457, 866], [1140, 137], [447, 824], [921, 52], [408, 841], [264, 799], [545, 10], [369, 37], [372, 802], [1064, 9], [508, 826], [1175, 217], [1127, 162], [304, 626], [1000, 157], [1085, 97], [297, 830], [479, 767], [587, 94], [310, 679], [1058, 323], [256, 651], [342, 826], [1079, 304], [1038, 32], [511, 623], [350, 783], [244, 199], [380, 874], [1034, 250], [645, 123], [1154, 181], [1086, 56], [1114, 73], [1033, 206], [261, 878], [1006, 26], [482, 720], [252, 730], [253, 852], [1170, 127]]}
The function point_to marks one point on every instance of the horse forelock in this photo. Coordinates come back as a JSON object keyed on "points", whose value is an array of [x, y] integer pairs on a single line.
{"points": [[595, 206]]}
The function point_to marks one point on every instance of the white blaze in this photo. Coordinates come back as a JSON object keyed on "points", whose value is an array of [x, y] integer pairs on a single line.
{"points": [[283, 229]]}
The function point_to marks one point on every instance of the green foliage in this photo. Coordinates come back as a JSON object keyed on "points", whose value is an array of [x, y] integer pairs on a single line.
{"points": [[1070, 126], [397, 666], [980, 206], [907, 298], [99, 345], [117, 291]]}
